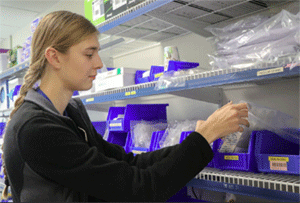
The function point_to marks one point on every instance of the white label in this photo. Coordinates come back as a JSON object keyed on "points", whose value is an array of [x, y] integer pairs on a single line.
{"points": [[269, 71], [98, 9], [146, 74], [118, 3]]}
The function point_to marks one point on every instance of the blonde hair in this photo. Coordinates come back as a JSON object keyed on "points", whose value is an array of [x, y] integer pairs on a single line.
{"points": [[60, 30]]}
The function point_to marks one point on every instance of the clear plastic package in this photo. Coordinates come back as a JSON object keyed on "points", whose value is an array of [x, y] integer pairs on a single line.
{"points": [[274, 28], [171, 79], [173, 132], [141, 131], [260, 118]]}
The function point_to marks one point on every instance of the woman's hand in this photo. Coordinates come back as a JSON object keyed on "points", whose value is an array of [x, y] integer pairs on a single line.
{"points": [[224, 121]]}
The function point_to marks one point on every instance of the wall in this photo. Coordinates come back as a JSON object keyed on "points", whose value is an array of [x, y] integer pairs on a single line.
{"points": [[191, 47], [76, 6]]}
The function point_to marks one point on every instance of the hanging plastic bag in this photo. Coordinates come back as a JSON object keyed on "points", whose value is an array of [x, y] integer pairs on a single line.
{"points": [[172, 79]]}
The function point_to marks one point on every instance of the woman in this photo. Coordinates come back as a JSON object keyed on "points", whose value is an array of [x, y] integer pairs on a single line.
{"points": [[53, 153]]}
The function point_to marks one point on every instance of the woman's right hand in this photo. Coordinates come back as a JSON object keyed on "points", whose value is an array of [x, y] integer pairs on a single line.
{"points": [[224, 121]]}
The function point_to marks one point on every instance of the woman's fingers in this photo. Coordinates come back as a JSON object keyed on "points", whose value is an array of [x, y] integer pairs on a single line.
{"points": [[244, 122], [241, 106], [243, 113]]}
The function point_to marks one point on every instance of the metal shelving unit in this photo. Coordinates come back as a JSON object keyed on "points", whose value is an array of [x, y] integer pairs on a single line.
{"points": [[277, 187], [157, 20]]}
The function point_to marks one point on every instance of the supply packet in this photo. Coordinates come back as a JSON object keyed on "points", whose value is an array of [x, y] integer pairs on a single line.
{"points": [[260, 118]]}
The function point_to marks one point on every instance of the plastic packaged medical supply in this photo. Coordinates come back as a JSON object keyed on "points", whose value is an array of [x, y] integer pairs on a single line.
{"points": [[260, 118], [141, 132], [173, 132]]}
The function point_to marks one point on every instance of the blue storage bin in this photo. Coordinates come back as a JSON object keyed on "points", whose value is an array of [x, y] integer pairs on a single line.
{"points": [[274, 154], [136, 112], [236, 161], [156, 137], [118, 138], [181, 65], [156, 72], [100, 127], [139, 77], [184, 135], [2, 127], [129, 146]]}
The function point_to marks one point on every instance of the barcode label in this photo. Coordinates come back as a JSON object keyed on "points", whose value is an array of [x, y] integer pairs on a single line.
{"points": [[278, 165]]}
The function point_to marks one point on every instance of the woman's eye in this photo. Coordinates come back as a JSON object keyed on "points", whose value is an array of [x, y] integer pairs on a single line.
{"points": [[90, 56]]}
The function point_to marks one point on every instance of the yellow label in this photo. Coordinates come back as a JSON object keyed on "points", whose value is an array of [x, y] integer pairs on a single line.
{"points": [[127, 93], [133, 92], [137, 152], [89, 99], [269, 71], [235, 158], [272, 158], [158, 75], [115, 124]]}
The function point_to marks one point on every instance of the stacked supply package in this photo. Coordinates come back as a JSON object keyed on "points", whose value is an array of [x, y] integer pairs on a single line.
{"points": [[116, 78], [256, 41]]}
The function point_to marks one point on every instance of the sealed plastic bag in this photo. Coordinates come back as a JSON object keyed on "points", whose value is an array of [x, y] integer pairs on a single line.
{"points": [[173, 132], [141, 132], [260, 118], [172, 79]]}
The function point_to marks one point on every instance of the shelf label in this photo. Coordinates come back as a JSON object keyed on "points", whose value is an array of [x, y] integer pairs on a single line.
{"points": [[272, 158], [130, 93], [270, 71], [233, 158], [158, 75], [115, 124], [89, 100], [137, 152]]}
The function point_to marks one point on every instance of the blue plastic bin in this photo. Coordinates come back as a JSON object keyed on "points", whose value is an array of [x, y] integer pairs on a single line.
{"points": [[275, 154], [236, 161], [156, 72], [100, 127], [118, 138], [139, 77], [129, 146], [2, 127], [156, 137], [184, 135], [181, 65], [136, 112]]}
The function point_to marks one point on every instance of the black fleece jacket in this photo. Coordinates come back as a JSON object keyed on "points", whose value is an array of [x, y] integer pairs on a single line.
{"points": [[50, 157]]}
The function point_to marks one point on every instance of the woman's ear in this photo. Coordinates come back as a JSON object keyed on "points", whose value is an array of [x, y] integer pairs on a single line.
{"points": [[52, 57]]}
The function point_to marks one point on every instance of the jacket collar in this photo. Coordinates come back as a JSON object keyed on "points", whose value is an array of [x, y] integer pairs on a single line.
{"points": [[33, 96]]}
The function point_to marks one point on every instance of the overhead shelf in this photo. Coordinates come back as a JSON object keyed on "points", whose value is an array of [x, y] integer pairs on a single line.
{"points": [[155, 21], [277, 187], [205, 86]]}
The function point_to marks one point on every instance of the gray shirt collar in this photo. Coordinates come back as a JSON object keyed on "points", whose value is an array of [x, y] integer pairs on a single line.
{"points": [[33, 96]]}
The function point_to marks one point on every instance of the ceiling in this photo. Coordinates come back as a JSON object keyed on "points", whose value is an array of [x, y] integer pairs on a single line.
{"points": [[15, 14]]}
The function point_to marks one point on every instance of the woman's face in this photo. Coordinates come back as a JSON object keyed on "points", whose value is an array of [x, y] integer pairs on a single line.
{"points": [[80, 64]]}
